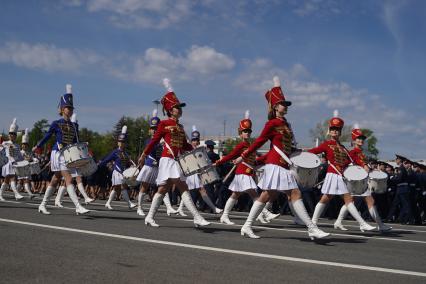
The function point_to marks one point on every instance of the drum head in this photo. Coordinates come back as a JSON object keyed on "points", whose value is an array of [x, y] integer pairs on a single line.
{"points": [[22, 164], [130, 172], [378, 175], [305, 160], [355, 173]]}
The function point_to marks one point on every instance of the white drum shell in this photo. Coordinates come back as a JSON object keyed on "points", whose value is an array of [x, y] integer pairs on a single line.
{"points": [[22, 169], [356, 179], [378, 182], [35, 167], [130, 175], [89, 169], [76, 155], [193, 162], [305, 168], [209, 175]]}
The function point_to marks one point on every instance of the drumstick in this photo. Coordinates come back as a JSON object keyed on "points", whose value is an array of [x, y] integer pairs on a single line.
{"points": [[229, 174]]}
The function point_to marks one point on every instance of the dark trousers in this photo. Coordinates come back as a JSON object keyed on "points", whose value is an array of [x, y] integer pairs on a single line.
{"points": [[401, 200]]}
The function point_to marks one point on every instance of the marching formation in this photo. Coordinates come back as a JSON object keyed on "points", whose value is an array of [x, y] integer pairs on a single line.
{"points": [[174, 164]]}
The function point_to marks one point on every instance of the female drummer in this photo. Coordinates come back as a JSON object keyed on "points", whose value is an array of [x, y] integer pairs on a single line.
{"points": [[149, 171], [28, 156], [243, 180], [66, 133], [358, 157], [194, 181], [338, 159], [13, 154], [121, 162], [169, 172], [277, 176]]}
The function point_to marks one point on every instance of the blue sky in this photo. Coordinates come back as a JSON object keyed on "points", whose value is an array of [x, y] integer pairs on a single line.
{"points": [[365, 58]]}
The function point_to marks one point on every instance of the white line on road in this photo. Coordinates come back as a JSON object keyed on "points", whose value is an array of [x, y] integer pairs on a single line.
{"points": [[221, 250]]}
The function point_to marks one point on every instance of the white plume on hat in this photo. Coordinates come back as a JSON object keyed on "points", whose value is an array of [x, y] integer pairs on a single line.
{"points": [[74, 118], [277, 82], [247, 114], [336, 113], [167, 85], [68, 88], [13, 127], [356, 125], [124, 129], [154, 112], [194, 128], [25, 137]]}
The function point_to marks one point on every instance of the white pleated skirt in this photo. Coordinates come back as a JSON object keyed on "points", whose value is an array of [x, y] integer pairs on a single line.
{"points": [[148, 174], [117, 178], [242, 183], [193, 182], [8, 170], [277, 178], [168, 168], [334, 185]]}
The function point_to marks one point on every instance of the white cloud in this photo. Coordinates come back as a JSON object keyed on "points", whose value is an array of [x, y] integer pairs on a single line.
{"points": [[155, 63], [318, 7], [158, 14], [45, 56]]}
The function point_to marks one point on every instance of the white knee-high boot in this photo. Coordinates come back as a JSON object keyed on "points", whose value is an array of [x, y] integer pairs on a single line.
{"points": [[59, 196], [2, 188], [189, 204], [140, 198], [375, 215], [18, 196], [28, 190], [47, 194], [342, 215], [363, 226], [126, 198], [82, 191], [209, 202], [296, 218], [319, 208], [170, 209], [313, 231], [180, 209], [230, 203], [111, 197], [255, 210], [155, 204], [73, 196]]}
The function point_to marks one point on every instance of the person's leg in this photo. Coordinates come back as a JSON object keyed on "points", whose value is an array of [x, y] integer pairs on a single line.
{"points": [[49, 191], [71, 193], [230, 203], [363, 226]]}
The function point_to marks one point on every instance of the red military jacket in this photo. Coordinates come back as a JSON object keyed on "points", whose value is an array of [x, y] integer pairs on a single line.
{"points": [[247, 166], [335, 153], [358, 157], [174, 135], [280, 134]]}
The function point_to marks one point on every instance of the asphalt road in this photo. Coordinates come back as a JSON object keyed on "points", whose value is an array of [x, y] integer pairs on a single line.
{"points": [[115, 246]]}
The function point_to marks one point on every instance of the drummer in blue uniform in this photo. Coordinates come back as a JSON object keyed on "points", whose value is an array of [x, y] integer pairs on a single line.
{"points": [[122, 161], [66, 133], [148, 174]]}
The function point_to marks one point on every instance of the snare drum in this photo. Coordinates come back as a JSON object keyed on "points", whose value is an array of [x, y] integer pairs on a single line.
{"points": [[377, 181], [209, 175], [89, 169], [3, 157], [76, 155], [305, 168], [130, 175], [22, 169], [35, 167], [193, 162], [356, 179]]}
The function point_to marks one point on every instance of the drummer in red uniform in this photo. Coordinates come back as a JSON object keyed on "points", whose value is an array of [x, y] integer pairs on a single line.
{"points": [[338, 159], [277, 176], [169, 171], [359, 159]]}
